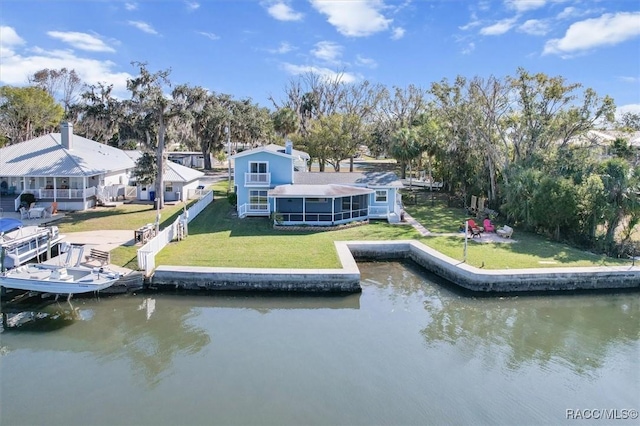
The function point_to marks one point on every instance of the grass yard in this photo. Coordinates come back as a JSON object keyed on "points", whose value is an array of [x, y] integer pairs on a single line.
{"points": [[530, 251], [125, 216], [218, 238]]}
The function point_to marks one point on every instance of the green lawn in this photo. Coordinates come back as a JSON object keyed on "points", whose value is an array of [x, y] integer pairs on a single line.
{"points": [[530, 251], [218, 238], [125, 216]]}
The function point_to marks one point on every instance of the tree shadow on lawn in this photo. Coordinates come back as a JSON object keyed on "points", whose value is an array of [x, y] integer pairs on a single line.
{"points": [[76, 218], [545, 249]]}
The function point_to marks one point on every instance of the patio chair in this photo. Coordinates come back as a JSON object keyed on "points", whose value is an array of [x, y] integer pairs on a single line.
{"points": [[474, 225], [488, 226], [47, 212], [505, 231], [24, 213]]}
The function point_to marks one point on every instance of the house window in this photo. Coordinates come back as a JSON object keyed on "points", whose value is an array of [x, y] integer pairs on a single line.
{"points": [[168, 187], [258, 172], [316, 200], [381, 195], [258, 166], [258, 200]]}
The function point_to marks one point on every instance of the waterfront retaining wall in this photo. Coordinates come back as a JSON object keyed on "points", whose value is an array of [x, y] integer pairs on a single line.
{"points": [[347, 279]]}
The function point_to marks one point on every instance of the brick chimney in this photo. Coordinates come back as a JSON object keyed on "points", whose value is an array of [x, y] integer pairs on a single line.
{"points": [[66, 135]]}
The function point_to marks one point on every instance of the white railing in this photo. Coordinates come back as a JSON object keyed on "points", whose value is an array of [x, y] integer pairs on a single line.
{"points": [[257, 179], [196, 193], [62, 193], [242, 210], [147, 253], [378, 211]]}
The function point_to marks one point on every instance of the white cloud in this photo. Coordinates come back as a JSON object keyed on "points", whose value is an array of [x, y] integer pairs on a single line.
{"points": [[82, 41], [16, 67], [210, 36], [325, 73], [524, 5], [398, 33], [568, 12], [475, 22], [354, 18], [283, 12], [499, 27], [628, 79], [131, 6], [282, 49], [366, 62], [327, 51], [143, 26], [9, 37], [192, 5], [607, 30], [623, 109], [470, 48], [534, 27]]}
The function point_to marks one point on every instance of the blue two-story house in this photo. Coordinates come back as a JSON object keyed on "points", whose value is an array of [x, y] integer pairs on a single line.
{"points": [[273, 179]]}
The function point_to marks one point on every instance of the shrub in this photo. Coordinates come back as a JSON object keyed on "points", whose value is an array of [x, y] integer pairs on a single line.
{"points": [[233, 198], [26, 199]]}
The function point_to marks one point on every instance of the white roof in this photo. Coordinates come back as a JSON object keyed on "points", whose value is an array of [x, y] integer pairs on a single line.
{"points": [[45, 156], [174, 172]]}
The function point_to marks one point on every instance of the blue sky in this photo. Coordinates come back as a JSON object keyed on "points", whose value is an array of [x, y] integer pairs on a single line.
{"points": [[251, 48]]}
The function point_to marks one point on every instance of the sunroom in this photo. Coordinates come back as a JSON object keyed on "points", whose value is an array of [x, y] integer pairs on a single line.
{"points": [[319, 205]]}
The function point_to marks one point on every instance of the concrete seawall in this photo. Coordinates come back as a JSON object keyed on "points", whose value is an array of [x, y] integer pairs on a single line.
{"points": [[347, 279]]}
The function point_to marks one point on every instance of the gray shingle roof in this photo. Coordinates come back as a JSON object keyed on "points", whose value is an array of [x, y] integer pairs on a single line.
{"points": [[45, 156], [370, 179]]}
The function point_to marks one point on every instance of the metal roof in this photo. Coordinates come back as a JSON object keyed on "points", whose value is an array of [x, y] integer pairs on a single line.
{"points": [[369, 179], [45, 156], [174, 172], [276, 149], [331, 191]]}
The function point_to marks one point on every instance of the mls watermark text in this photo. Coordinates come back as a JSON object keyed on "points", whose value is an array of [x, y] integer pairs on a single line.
{"points": [[601, 414]]}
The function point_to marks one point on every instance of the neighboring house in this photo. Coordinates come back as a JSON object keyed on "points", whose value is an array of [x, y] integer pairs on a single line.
{"points": [[187, 158], [62, 168], [602, 140], [178, 181], [272, 179]]}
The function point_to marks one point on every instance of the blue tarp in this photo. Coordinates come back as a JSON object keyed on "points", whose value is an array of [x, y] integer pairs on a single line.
{"points": [[8, 224]]}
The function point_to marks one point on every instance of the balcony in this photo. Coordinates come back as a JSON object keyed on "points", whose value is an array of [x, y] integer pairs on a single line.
{"points": [[257, 179]]}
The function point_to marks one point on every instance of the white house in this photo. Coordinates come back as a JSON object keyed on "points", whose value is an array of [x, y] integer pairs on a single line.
{"points": [[62, 168], [178, 181]]}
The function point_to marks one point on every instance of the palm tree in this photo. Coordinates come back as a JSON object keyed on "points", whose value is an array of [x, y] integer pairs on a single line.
{"points": [[405, 148]]}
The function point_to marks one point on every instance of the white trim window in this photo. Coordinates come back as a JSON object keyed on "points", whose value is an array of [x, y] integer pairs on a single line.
{"points": [[258, 167], [258, 200], [382, 195]]}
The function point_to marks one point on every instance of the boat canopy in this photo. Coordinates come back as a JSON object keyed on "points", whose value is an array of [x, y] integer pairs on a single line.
{"points": [[8, 224]]}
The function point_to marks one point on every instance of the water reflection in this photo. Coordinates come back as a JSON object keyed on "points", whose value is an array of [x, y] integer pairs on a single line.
{"points": [[148, 330], [42, 317], [580, 329]]}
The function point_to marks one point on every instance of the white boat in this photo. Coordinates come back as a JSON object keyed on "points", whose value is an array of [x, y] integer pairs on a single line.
{"points": [[23, 243], [57, 279]]}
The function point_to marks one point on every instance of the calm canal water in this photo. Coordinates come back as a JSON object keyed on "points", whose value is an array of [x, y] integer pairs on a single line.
{"points": [[407, 350]]}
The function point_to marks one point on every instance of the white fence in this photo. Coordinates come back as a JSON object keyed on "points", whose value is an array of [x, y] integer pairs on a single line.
{"points": [[178, 229]]}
